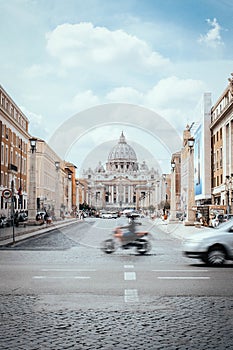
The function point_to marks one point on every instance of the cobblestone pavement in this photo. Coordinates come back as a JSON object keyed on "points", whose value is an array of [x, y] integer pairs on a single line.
{"points": [[165, 323]]}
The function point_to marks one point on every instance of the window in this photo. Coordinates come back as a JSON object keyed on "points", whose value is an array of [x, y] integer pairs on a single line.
{"points": [[6, 156], [2, 153], [220, 157], [11, 156]]}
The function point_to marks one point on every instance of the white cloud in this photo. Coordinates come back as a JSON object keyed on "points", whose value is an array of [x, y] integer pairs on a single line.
{"points": [[37, 125], [212, 38], [172, 98], [83, 45], [125, 94], [81, 101], [37, 70], [174, 91]]}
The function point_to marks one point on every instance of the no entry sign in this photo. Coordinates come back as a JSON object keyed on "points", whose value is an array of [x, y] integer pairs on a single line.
{"points": [[6, 193]]}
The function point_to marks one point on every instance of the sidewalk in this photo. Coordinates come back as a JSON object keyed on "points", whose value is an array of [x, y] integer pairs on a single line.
{"points": [[177, 228], [22, 233]]}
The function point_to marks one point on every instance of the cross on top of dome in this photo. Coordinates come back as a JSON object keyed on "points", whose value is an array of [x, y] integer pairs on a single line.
{"points": [[122, 138]]}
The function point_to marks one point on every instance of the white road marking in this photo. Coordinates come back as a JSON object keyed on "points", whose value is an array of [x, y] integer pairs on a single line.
{"points": [[180, 270], [72, 270], [130, 276], [131, 296], [128, 266], [183, 278], [61, 277]]}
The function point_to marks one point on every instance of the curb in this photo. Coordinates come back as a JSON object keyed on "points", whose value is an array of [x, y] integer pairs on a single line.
{"points": [[34, 232]]}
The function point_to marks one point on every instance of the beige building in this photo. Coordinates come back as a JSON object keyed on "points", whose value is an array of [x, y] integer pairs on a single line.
{"points": [[54, 181], [222, 148], [13, 153]]}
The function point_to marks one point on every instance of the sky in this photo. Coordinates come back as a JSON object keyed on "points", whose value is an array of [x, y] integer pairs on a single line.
{"points": [[60, 58]]}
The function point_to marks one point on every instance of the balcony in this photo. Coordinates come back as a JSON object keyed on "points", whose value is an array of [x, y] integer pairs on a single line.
{"points": [[12, 167]]}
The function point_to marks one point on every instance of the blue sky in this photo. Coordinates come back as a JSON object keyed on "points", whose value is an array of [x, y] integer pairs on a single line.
{"points": [[60, 57]]}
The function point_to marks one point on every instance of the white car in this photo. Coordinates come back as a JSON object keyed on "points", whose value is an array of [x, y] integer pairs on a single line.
{"points": [[212, 245], [106, 215]]}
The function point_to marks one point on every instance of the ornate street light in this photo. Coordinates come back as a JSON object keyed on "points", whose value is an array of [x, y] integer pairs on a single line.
{"points": [[57, 191], [32, 209], [173, 165], [33, 141], [191, 141], [190, 215], [173, 192], [228, 192], [57, 165]]}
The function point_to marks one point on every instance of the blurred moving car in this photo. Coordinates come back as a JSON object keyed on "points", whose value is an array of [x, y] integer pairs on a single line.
{"points": [[211, 245]]}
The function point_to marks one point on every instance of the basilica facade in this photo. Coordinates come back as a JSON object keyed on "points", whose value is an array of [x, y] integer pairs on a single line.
{"points": [[122, 182]]}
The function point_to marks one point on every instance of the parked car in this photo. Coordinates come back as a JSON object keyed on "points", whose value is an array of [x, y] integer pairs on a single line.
{"points": [[4, 222], [228, 217], [40, 214], [106, 215], [216, 219], [21, 218], [211, 245]]}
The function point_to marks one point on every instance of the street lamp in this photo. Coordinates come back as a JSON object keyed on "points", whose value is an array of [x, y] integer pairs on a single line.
{"points": [[57, 165], [191, 141], [190, 215], [32, 184], [173, 165], [69, 193], [228, 192], [57, 192], [173, 192], [33, 141]]}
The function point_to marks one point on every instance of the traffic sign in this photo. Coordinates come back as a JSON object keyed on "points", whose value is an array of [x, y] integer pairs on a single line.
{"points": [[6, 193]]}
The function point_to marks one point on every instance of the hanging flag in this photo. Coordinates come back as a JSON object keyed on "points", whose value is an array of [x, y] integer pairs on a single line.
{"points": [[20, 191]]}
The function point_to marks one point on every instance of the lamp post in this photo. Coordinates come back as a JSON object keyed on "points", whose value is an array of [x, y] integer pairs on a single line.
{"points": [[32, 210], [228, 192], [57, 191], [190, 215], [69, 193], [77, 197], [173, 192]]}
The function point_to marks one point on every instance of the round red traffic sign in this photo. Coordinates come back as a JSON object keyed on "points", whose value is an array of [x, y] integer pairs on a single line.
{"points": [[6, 193]]}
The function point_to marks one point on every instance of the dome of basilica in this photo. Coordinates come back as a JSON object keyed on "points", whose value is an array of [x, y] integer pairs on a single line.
{"points": [[122, 157], [122, 151]]}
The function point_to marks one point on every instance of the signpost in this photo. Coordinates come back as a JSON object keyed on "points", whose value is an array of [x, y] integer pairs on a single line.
{"points": [[6, 193]]}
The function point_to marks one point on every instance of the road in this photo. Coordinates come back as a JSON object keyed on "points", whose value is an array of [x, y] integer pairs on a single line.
{"points": [[61, 291]]}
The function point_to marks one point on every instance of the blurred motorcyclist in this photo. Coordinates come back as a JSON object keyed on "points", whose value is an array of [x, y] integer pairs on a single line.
{"points": [[130, 234]]}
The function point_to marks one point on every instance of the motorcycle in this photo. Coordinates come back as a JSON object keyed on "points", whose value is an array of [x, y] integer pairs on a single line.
{"points": [[141, 242]]}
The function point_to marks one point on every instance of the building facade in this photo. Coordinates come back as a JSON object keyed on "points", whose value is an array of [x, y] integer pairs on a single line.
{"points": [[13, 153], [222, 148], [207, 167], [54, 181], [123, 182], [202, 153]]}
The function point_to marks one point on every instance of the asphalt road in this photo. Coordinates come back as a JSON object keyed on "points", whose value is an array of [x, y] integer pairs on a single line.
{"points": [[61, 291]]}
